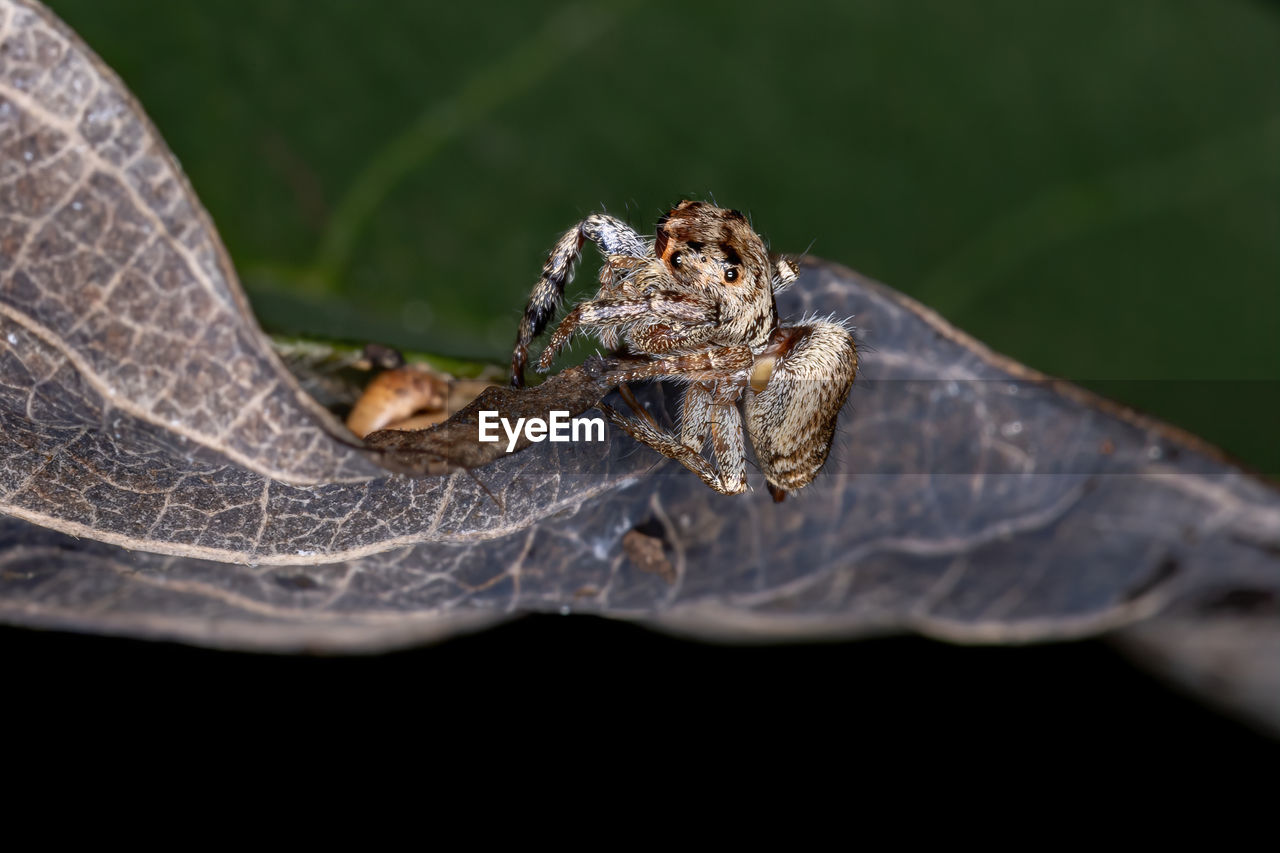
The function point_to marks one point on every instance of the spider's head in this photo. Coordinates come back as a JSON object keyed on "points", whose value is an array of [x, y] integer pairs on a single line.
{"points": [[708, 247]]}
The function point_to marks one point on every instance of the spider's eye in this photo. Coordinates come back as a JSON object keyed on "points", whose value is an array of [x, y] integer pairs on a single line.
{"points": [[676, 260], [731, 274]]}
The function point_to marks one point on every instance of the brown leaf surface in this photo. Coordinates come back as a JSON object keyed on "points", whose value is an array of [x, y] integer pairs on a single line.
{"points": [[164, 475], [454, 445]]}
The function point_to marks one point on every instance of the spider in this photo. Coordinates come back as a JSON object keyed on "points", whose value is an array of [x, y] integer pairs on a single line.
{"points": [[699, 304]]}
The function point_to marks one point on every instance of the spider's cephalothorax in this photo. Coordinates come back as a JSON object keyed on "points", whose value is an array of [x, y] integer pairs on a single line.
{"points": [[700, 304]]}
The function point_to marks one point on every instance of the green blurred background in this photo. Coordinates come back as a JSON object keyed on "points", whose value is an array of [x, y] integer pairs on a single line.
{"points": [[1092, 187]]}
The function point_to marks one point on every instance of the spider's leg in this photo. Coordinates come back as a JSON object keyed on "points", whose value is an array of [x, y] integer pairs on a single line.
{"points": [[731, 364], [710, 407], [694, 316], [624, 391], [729, 444], [559, 339], [728, 476], [612, 236], [695, 416], [785, 272]]}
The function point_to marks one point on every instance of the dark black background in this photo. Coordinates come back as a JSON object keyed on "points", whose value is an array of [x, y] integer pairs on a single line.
{"points": [[573, 687]]}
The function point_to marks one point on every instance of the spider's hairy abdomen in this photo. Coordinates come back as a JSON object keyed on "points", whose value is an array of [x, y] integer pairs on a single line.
{"points": [[792, 420]]}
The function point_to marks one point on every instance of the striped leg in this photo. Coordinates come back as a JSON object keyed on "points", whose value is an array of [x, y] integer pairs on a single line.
{"points": [[612, 236]]}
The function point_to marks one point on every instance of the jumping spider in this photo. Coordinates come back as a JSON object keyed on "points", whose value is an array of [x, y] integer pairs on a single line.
{"points": [[700, 303]]}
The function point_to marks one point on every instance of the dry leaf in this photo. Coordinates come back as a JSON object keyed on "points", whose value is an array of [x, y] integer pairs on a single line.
{"points": [[164, 475]]}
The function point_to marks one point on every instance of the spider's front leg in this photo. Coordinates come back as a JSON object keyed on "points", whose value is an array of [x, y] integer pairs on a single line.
{"points": [[611, 235], [656, 322], [710, 407]]}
